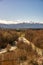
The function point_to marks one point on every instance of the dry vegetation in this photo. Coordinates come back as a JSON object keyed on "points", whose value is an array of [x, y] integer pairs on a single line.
{"points": [[35, 36], [7, 37], [24, 53]]}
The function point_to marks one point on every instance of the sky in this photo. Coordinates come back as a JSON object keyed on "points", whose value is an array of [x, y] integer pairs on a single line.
{"points": [[21, 11]]}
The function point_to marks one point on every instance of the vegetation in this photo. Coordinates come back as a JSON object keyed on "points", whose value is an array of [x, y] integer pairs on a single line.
{"points": [[35, 36], [24, 53], [7, 37]]}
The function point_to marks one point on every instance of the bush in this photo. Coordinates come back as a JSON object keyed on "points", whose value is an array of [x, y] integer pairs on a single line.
{"points": [[7, 37]]}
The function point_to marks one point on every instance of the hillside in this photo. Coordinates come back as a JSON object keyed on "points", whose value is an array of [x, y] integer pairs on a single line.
{"points": [[10, 36], [23, 54]]}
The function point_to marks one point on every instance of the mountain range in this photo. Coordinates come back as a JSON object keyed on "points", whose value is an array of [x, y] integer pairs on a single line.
{"points": [[22, 25]]}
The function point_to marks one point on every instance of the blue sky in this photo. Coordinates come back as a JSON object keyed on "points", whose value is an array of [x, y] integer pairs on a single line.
{"points": [[26, 10]]}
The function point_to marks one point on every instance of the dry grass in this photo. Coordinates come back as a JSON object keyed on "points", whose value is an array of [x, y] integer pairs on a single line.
{"points": [[24, 53]]}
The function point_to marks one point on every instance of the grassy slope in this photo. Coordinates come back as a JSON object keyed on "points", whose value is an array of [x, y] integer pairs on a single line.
{"points": [[23, 52]]}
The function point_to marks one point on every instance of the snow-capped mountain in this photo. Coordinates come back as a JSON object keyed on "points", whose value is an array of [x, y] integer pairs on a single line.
{"points": [[19, 24]]}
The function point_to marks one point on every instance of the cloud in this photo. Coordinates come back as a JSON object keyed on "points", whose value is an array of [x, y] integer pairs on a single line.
{"points": [[7, 22], [12, 22], [17, 22]]}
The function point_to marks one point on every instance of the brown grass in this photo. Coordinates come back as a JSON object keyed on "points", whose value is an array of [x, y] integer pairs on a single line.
{"points": [[23, 53]]}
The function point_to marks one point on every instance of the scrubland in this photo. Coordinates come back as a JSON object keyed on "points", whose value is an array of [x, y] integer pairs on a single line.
{"points": [[23, 55]]}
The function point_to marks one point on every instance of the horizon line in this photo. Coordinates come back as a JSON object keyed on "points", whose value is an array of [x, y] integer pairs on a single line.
{"points": [[18, 22]]}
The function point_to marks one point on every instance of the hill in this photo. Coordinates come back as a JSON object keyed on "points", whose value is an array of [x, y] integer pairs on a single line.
{"points": [[23, 54]]}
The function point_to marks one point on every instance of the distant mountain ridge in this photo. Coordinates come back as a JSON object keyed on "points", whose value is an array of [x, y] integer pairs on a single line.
{"points": [[21, 25]]}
